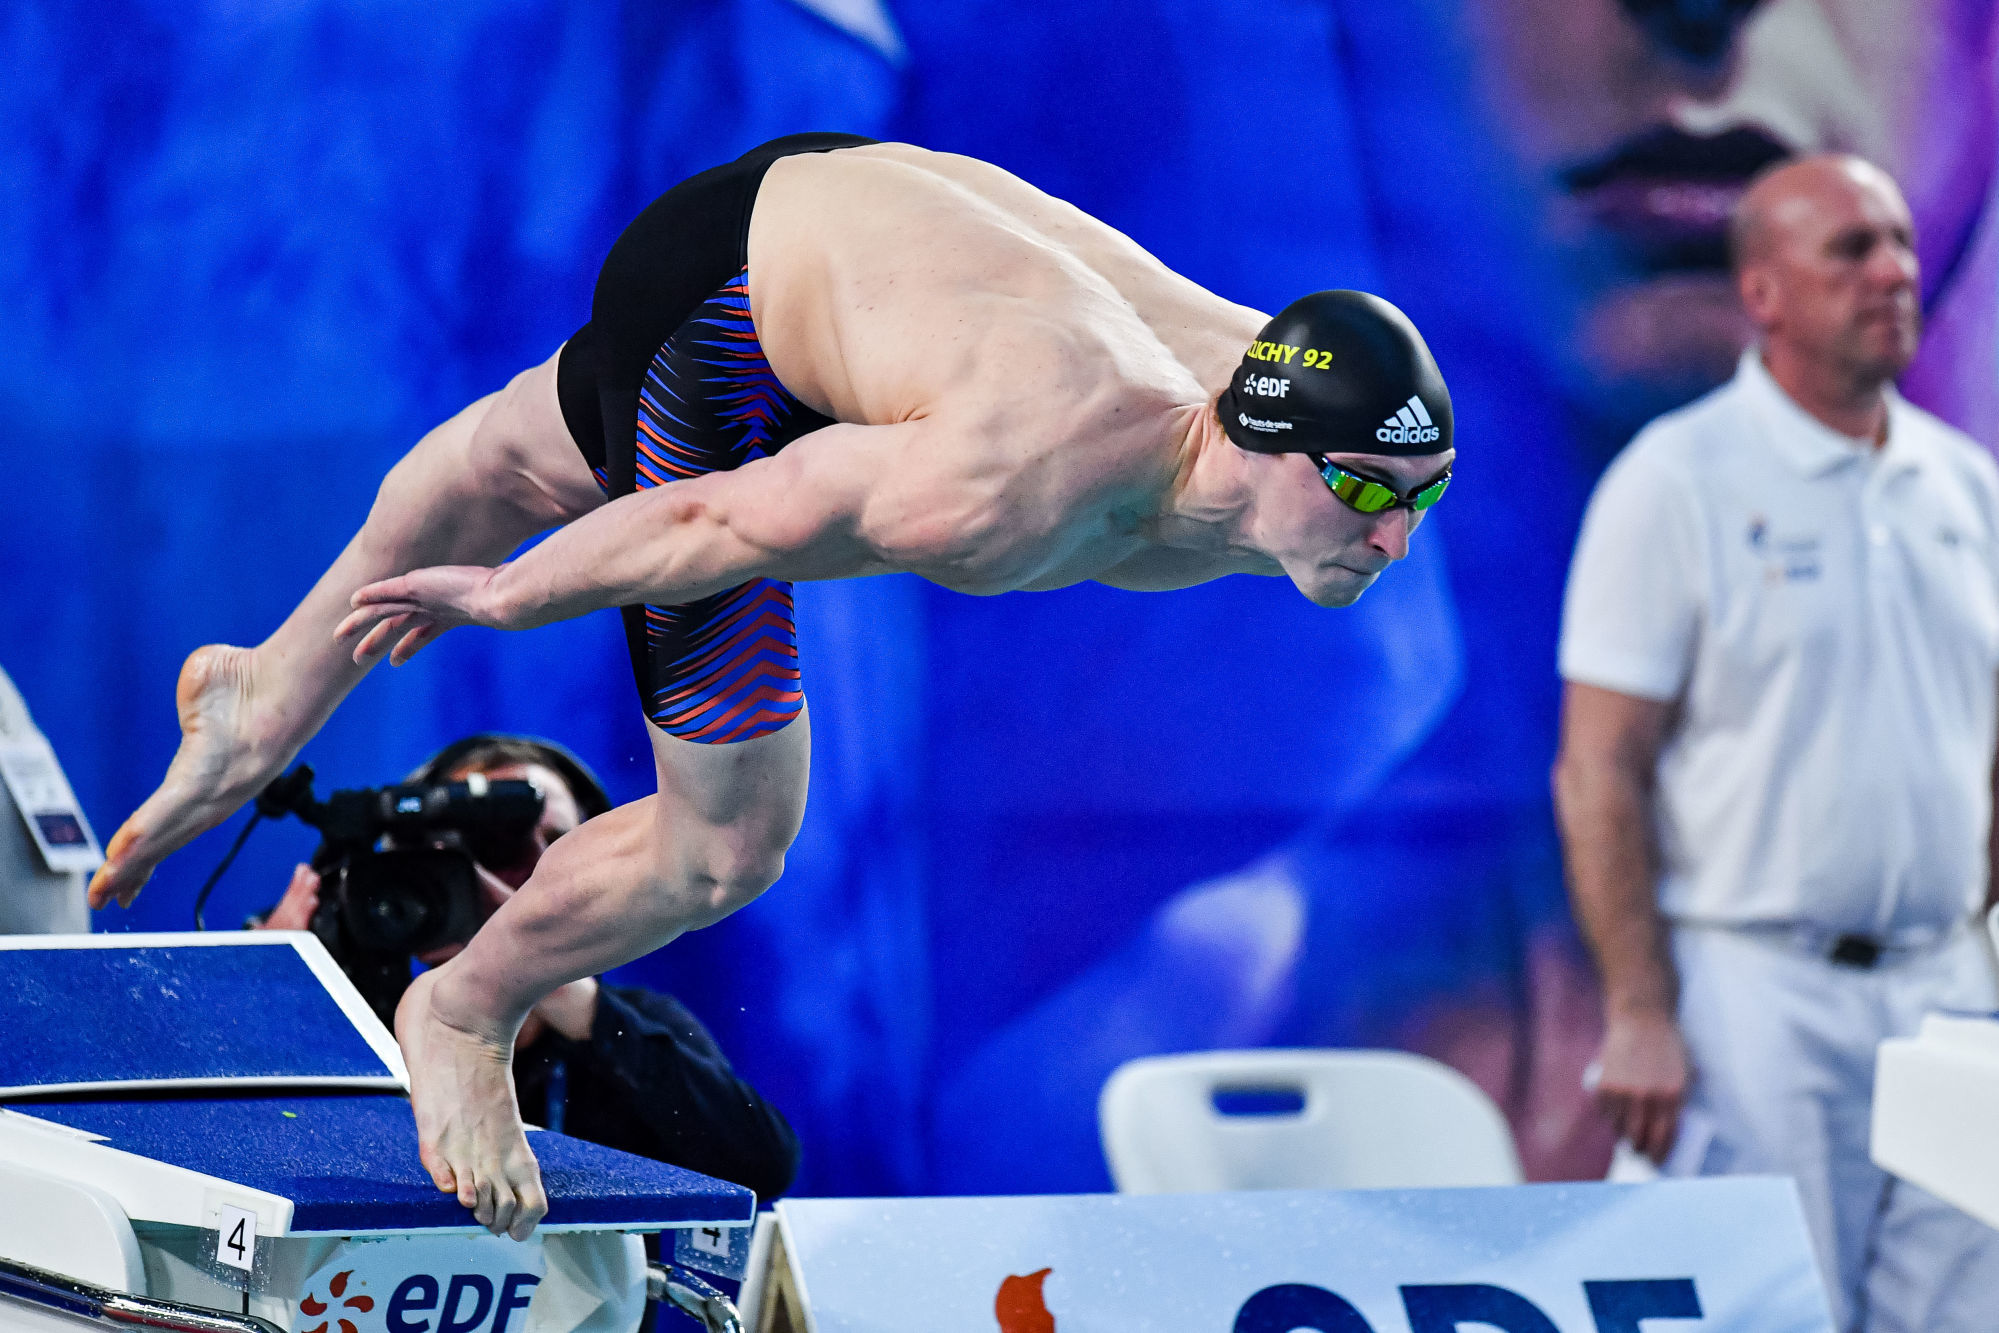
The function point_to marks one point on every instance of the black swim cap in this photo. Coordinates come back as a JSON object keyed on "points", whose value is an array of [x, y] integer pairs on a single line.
{"points": [[1338, 373]]}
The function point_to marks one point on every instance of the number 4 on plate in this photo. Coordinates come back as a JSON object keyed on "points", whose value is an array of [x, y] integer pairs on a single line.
{"points": [[236, 1238]]}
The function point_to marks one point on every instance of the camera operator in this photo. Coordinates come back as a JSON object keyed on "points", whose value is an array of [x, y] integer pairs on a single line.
{"points": [[618, 1065]]}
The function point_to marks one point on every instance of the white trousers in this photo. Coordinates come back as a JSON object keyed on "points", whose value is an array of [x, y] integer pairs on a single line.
{"points": [[1783, 1052]]}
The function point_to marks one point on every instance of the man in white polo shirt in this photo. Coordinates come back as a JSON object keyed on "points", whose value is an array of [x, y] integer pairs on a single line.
{"points": [[1781, 649]]}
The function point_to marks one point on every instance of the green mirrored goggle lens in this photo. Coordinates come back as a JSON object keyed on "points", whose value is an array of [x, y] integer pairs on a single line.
{"points": [[1430, 494], [1371, 497], [1368, 497]]}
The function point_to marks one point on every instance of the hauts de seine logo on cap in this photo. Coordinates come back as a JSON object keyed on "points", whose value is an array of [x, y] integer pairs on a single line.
{"points": [[1258, 423], [1411, 424]]}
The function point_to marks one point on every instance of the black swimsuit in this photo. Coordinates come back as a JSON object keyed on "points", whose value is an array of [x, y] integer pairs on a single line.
{"points": [[668, 381]]}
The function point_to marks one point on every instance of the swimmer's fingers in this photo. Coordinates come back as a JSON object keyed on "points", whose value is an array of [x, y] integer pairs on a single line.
{"points": [[367, 617], [381, 633], [453, 594], [407, 646], [386, 595]]}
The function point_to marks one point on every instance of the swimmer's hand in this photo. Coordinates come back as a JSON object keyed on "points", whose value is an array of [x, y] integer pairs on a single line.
{"points": [[414, 608]]}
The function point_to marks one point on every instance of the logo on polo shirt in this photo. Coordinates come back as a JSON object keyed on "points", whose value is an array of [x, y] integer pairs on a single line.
{"points": [[1786, 559]]}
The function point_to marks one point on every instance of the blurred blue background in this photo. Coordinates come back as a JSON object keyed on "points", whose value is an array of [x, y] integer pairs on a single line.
{"points": [[249, 252]]}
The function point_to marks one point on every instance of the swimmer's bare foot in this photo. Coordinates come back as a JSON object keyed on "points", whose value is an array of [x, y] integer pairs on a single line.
{"points": [[221, 764], [468, 1124]]}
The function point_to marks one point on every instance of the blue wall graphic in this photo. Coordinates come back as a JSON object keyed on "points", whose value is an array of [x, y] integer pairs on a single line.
{"points": [[249, 253]]}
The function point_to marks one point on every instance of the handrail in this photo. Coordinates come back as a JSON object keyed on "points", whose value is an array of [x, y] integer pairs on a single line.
{"points": [[689, 1293], [53, 1291]]}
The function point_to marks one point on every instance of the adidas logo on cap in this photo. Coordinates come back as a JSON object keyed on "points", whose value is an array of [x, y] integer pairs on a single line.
{"points": [[1411, 424]]}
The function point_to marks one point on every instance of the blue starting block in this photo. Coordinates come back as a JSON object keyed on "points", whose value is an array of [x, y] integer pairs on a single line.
{"points": [[218, 1123]]}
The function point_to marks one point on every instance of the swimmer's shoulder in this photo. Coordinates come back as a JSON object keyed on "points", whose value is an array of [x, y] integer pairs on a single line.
{"points": [[878, 176], [964, 190], [943, 171]]}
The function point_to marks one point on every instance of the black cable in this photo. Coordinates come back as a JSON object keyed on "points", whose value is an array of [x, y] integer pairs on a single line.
{"points": [[201, 899], [290, 794]]}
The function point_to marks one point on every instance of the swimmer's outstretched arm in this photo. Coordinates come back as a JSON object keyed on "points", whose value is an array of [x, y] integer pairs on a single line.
{"points": [[803, 514]]}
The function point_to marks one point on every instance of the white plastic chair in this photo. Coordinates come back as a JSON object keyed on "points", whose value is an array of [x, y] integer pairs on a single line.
{"points": [[1368, 1120]]}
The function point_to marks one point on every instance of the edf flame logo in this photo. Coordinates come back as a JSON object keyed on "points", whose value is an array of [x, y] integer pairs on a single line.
{"points": [[312, 1307], [1020, 1306]]}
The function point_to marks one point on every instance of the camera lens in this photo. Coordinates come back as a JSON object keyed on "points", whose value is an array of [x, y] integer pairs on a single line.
{"points": [[410, 901], [395, 920]]}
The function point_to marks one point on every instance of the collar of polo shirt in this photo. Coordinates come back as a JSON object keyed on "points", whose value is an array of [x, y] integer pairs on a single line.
{"points": [[1807, 443]]}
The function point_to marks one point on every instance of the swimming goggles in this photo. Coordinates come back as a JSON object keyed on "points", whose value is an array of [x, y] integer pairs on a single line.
{"points": [[1371, 497]]}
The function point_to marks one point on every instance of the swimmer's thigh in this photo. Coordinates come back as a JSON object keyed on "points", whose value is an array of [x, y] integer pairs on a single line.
{"points": [[521, 443], [728, 812]]}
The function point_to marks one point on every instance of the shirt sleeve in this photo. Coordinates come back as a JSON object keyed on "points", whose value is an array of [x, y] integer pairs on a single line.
{"points": [[1631, 613]]}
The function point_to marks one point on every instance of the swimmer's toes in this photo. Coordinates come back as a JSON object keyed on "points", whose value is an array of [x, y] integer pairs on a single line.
{"points": [[127, 866], [524, 1174], [498, 1214], [124, 853], [534, 1207], [514, 1213], [103, 885], [441, 1174]]}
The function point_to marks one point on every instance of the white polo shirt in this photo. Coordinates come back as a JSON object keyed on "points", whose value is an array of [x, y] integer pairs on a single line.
{"points": [[1827, 617]]}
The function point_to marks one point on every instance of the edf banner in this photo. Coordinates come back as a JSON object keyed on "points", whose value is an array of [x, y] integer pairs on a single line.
{"points": [[1708, 1256]]}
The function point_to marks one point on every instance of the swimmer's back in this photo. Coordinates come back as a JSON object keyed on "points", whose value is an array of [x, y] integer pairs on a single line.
{"points": [[891, 282]]}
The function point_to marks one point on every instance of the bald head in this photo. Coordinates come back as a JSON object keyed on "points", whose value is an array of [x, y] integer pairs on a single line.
{"points": [[1825, 263], [1790, 196]]}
